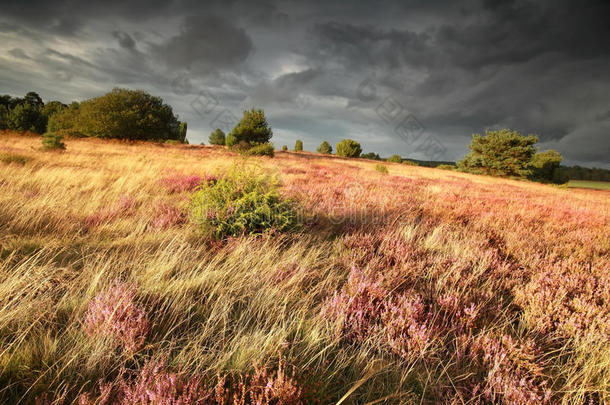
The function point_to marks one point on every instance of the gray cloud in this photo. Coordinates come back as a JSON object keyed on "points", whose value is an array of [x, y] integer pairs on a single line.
{"points": [[459, 67]]}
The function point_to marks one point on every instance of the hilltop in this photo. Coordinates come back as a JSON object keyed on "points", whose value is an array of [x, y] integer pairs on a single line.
{"points": [[405, 285]]}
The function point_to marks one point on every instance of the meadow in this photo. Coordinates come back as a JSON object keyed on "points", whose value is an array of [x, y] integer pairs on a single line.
{"points": [[405, 285], [598, 185]]}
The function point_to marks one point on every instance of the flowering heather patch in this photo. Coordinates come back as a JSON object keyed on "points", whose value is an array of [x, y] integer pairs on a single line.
{"points": [[180, 183], [166, 216], [124, 206], [154, 384], [115, 313]]}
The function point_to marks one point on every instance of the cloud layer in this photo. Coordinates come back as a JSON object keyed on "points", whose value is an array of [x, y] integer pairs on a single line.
{"points": [[415, 78]]}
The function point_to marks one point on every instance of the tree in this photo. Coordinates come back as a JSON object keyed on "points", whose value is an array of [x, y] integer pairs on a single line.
{"points": [[129, 114], [395, 159], [298, 145], [348, 148], [65, 122], [34, 100], [325, 148], [545, 167], [3, 117], [26, 117], [182, 132], [217, 137], [500, 153], [284, 147], [252, 128], [370, 155], [52, 107]]}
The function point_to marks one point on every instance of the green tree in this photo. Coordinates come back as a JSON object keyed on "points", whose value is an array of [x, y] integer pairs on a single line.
{"points": [[52, 107], [370, 155], [325, 148], [298, 145], [65, 121], [284, 147], [252, 128], [182, 132], [500, 153], [34, 100], [3, 117], [395, 159], [217, 137], [348, 148], [545, 167], [26, 117], [129, 114]]}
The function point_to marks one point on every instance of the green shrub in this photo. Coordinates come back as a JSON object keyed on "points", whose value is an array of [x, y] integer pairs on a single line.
{"points": [[370, 155], [409, 163], [298, 145], [446, 167], [217, 137], [395, 159], [325, 148], [172, 142], [252, 128], [284, 148], [348, 148], [182, 132], [9, 158], [381, 168], [265, 149], [241, 202], [51, 140]]}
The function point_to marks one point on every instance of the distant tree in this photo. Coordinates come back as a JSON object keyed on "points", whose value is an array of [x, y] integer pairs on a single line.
{"points": [[348, 148], [370, 155], [65, 122], [129, 114], [500, 153], [231, 140], [284, 147], [395, 159], [545, 167], [3, 117], [325, 148], [53, 107], [182, 132], [252, 128], [26, 117], [34, 100], [298, 145], [217, 137]]}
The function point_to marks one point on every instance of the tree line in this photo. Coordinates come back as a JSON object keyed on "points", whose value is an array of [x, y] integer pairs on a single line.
{"points": [[121, 113]]}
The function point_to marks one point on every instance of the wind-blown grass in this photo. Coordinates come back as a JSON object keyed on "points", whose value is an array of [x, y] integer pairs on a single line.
{"points": [[420, 286]]}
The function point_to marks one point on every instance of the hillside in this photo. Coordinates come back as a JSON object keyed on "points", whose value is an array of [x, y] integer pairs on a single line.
{"points": [[417, 286]]}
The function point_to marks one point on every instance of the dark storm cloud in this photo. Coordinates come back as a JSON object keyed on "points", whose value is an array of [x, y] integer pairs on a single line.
{"points": [[206, 42], [459, 67]]}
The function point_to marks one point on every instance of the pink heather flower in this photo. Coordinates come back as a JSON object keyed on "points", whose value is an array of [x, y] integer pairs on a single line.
{"points": [[179, 183], [124, 206], [114, 312], [166, 216]]}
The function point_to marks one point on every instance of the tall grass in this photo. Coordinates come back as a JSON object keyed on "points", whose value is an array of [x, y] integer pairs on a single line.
{"points": [[419, 286]]}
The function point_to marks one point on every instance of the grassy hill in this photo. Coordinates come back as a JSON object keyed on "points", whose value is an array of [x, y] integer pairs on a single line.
{"points": [[416, 286]]}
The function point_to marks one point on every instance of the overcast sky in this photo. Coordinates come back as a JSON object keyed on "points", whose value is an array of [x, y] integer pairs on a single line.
{"points": [[415, 78]]}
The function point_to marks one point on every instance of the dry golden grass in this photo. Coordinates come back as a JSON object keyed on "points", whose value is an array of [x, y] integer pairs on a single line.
{"points": [[532, 259]]}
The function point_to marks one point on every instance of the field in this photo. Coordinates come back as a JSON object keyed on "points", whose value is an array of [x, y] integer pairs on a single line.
{"points": [[598, 185], [413, 286]]}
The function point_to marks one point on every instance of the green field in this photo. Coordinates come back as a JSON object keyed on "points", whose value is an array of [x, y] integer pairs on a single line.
{"points": [[599, 185]]}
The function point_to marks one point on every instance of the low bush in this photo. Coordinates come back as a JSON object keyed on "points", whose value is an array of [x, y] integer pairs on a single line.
{"points": [[325, 148], [446, 167], [409, 163], [51, 140], [381, 169], [395, 159], [9, 158], [265, 149], [284, 147], [241, 202]]}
